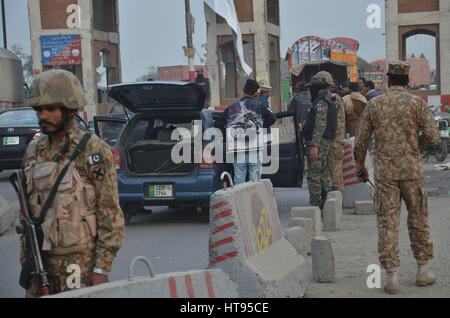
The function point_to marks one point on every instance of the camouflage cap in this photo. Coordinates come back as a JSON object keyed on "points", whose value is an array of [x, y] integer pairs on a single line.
{"points": [[57, 87], [397, 67]]}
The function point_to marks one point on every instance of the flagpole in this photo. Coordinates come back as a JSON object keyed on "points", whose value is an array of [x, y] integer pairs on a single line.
{"points": [[190, 47], [5, 41]]}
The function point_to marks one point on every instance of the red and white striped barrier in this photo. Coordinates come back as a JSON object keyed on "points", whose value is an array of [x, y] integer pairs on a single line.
{"points": [[211, 283], [354, 190], [246, 243]]}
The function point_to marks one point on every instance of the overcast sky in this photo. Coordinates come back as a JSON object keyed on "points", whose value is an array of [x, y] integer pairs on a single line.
{"points": [[152, 32]]}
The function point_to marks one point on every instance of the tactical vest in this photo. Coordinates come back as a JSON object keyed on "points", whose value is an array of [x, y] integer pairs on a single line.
{"points": [[70, 224], [330, 130]]}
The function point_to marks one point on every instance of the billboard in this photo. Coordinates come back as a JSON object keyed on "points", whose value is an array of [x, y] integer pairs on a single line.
{"points": [[61, 49]]}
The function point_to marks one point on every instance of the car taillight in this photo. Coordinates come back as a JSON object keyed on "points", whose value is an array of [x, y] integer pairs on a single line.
{"points": [[208, 160], [206, 165], [116, 158]]}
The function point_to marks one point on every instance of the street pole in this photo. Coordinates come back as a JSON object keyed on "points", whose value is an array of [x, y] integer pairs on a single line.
{"points": [[189, 52], [5, 41]]}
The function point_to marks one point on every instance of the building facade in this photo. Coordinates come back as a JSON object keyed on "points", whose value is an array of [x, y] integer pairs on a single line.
{"points": [[80, 36], [422, 28], [259, 22]]}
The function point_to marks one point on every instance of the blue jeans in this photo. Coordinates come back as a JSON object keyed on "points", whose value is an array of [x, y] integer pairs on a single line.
{"points": [[250, 163]]}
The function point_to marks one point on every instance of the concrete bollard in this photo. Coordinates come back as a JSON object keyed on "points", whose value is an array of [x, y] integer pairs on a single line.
{"points": [[298, 238], [307, 225], [364, 207], [337, 195], [332, 213], [310, 212], [323, 264]]}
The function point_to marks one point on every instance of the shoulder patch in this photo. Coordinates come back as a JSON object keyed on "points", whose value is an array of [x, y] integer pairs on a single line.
{"points": [[95, 159]]}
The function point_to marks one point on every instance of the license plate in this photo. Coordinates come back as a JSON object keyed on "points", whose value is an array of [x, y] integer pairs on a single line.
{"points": [[444, 133], [10, 141], [160, 191]]}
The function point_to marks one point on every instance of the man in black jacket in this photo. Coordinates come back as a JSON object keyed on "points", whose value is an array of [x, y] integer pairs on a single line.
{"points": [[203, 81], [245, 121]]}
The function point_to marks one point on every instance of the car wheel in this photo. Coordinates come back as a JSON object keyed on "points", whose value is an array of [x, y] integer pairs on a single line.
{"points": [[441, 151]]}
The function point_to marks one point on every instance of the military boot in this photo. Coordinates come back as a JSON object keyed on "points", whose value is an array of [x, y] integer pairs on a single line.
{"points": [[424, 277], [391, 283]]}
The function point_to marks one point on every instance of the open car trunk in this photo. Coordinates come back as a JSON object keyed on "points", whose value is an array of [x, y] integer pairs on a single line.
{"points": [[149, 149]]}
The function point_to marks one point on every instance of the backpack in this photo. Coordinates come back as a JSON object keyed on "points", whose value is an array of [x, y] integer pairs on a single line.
{"points": [[243, 123]]}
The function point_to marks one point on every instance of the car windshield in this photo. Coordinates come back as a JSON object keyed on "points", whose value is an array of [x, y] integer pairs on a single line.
{"points": [[19, 118]]}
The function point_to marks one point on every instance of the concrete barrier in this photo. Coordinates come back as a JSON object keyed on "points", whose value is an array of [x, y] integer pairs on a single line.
{"points": [[211, 283], [364, 208], [7, 215], [310, 212], [354, 190], [307, 225], [337, 195], [299, 240], [332, 214], [323, 263], [246, 243]]}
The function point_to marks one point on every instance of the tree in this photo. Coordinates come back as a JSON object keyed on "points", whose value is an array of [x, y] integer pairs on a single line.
{"points": [[152, 73], [27, 62]]}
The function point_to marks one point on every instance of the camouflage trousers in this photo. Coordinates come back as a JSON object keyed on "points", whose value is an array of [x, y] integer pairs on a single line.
{"points": [[58, 275], [387, 202], [319, 175], [335, 163]]}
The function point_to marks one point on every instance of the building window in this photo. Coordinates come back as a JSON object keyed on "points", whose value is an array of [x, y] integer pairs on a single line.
{"points": [[105, 15], [273, 12], [232, 81], [420, 48]]}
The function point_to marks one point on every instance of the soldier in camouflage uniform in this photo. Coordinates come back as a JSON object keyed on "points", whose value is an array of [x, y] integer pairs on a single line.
{"points": [[396, 118], [84, 225], [319, 132], [336, 157]]}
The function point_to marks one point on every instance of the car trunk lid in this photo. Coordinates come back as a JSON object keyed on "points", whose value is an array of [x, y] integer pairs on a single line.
{"points": [[149, 97]]}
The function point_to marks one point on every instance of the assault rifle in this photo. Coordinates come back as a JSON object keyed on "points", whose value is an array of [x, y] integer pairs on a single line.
{"points": [[34, 264]]}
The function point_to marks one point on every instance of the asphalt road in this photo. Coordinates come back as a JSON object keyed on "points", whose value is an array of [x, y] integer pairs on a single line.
{"points": [[172, 239]]}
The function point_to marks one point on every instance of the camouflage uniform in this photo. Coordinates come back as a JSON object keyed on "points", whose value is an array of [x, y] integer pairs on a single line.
{"points": [[396, 118], [336, 157], [98, 173], [318, 172]]}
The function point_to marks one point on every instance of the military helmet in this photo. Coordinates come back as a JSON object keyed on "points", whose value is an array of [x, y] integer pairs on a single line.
{"points": [[56, 87], [322, 77]]}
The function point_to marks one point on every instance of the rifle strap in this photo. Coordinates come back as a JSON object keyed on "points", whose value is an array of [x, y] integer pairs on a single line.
{"points": [[52, 194]]}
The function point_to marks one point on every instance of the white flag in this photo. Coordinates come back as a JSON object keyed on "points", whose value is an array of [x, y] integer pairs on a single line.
{"points": [[226, 9]]}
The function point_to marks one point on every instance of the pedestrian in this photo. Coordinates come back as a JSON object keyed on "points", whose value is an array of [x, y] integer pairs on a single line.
{"points": [[266, 91], [354, 106], [301, 103], [336, 156], [344, 89], [245, 121], [397, 118], [362, 85], [319, 132], [371, 92], [84, 224], [203, 82]]}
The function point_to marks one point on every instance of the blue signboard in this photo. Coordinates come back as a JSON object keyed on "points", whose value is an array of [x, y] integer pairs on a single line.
{"points": [[61, 49]]}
